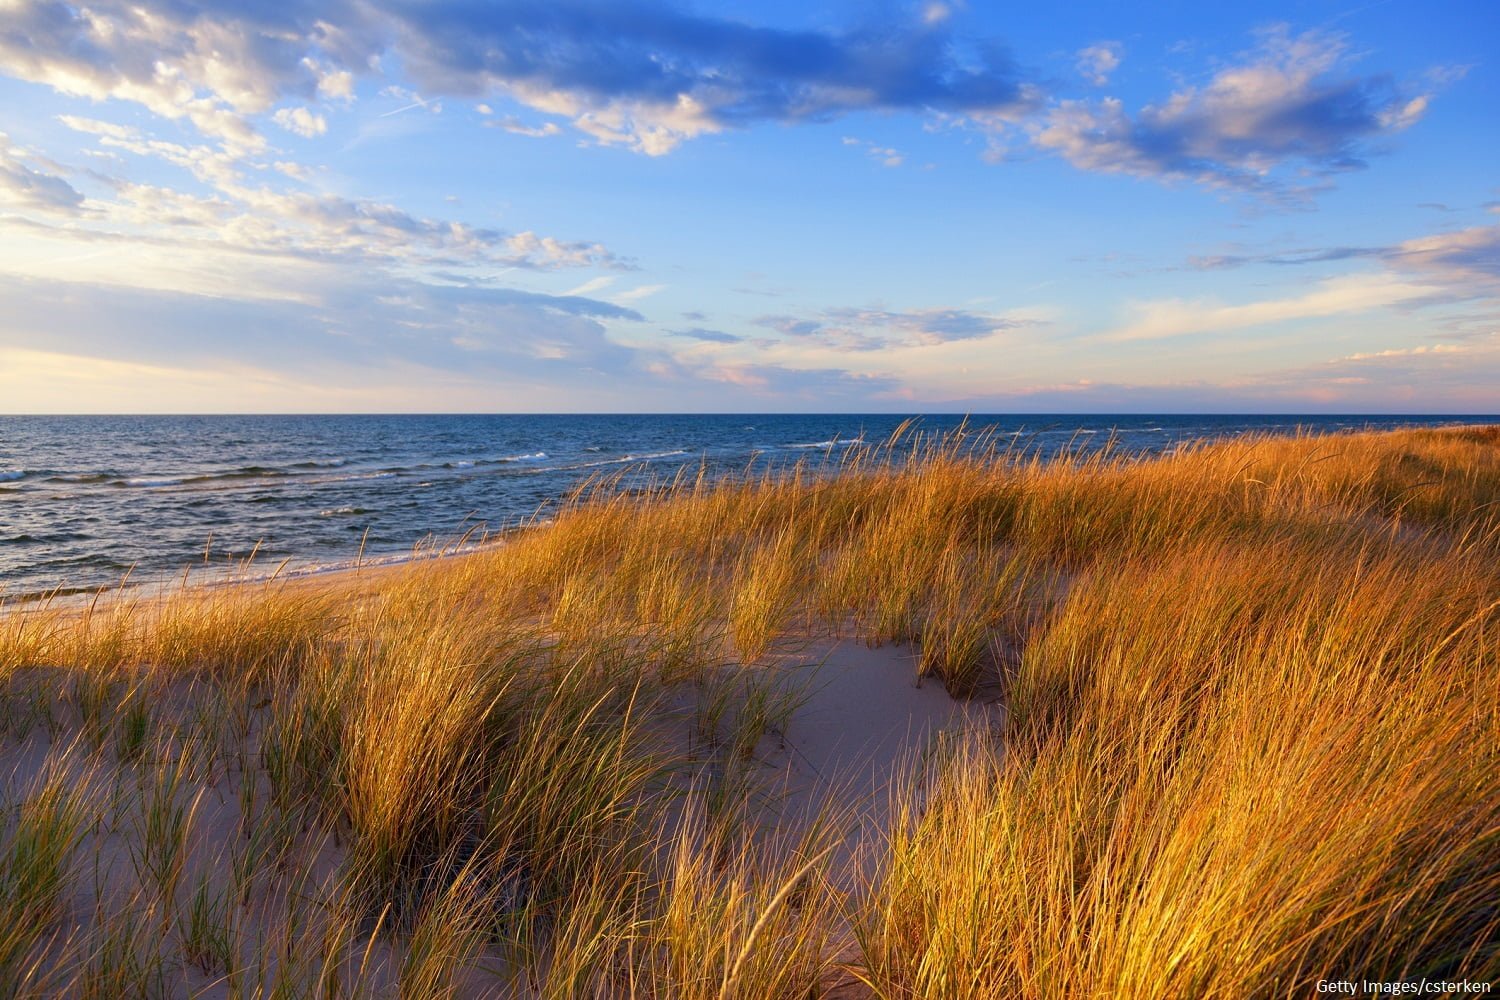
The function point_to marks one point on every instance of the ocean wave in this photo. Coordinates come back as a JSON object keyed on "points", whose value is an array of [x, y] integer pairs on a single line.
{"points": [[469, 463], [623, 460], [245, 472], [831, 443], [360, 476], [229, 478], [342, 511], [11, 475], [84, 478]]}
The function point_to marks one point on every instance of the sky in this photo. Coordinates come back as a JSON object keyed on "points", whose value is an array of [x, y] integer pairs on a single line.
{"points": [[624, 206]]}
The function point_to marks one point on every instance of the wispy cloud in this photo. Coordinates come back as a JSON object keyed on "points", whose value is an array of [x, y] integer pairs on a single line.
{"points": [[1159, 319], [26, 186], [706, 335], [515, 126], [256, 218], [1467, 259], [850, 329], [886, 156]]}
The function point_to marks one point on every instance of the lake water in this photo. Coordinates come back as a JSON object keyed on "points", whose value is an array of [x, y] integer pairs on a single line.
{"points": [[83, 500]]}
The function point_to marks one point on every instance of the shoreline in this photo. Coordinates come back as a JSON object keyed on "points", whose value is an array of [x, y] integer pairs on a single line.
{"points": [[200, 577], [90, 533], [191, 579]]}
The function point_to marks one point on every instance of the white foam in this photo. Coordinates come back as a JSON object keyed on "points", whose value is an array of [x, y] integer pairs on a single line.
{"points": [[624, 460], [153, 482], [832, 443]]}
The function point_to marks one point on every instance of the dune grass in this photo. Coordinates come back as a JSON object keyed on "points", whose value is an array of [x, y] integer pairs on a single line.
{"points": [[1250, 741]]}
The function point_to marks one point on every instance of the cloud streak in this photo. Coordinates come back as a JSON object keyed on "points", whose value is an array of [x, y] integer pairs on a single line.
{"points": [[850, 329]]}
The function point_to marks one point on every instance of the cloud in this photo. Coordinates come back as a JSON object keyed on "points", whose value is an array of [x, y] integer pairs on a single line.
{"points": [[821, 388], [639, 292], [1220, 262], [370, 345], [644, 75], [1431, 270], [301, 121], [1409, 352], [1099, 60], [25, 186], [592, 285], [347, 320], [847, 329], [1466, 258], [333, 84], [936, 13], [707, 336], [1162, 318], [1452, 378], [260, 219], [515, 126], [181, 61], [1284, 105], [886, 156], [648, 75]]}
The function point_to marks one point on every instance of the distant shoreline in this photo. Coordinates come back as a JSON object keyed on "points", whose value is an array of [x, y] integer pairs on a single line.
{"points": [[315, 467]]}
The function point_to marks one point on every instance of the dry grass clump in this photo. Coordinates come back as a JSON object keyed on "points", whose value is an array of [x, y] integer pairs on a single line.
{"points": [[1252, 720], [1239, 771]]}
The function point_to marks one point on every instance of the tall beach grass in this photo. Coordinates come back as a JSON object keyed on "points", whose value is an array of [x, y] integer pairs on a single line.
{"points": [[1244, 737]]}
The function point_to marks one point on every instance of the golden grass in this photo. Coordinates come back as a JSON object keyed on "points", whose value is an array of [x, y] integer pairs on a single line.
{"points": [[1251, 742]]}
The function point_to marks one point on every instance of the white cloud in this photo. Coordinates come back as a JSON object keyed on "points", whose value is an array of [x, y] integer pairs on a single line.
{"points": [[1098, 61], [638, 293], [301, 121], [333, 84], [517, 127], [886, 156], [1163, 318], [592, 285], [25, 186]]}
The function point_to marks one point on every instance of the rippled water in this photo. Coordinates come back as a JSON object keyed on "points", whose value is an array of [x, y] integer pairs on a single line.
{"points": [[83, 500]]}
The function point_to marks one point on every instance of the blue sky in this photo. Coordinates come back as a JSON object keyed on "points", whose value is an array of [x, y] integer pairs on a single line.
{"points": [[394, 205]]}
